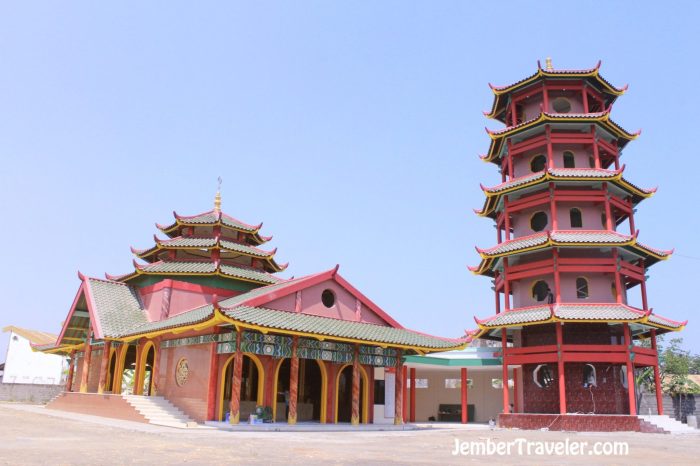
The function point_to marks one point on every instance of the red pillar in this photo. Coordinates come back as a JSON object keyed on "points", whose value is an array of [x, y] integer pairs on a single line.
{"points": [[506, 285], [557, 277], [87, 354], [550, 156], [630, 371], [104, 367], [464, 387], [560, 370], [609, 225], [506, 217], [154, 373], [294, 383], [235, 404], [355, 413], [553, 208], [71, 371], [506, 395], [618, 280], [657, 378], [404, 395], [515, 390], [413, 394], [398, 390]]}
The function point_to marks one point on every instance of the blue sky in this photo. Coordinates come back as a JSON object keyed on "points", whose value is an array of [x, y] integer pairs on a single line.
{"points": [[350, 128]]}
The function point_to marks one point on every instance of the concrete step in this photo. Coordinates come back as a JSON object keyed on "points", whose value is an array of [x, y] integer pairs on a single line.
{"points": [[668, 424], [159, 411]]}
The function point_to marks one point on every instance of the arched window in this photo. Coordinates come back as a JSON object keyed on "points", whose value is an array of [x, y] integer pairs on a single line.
{"points": [[589, 376], [538, 163], [561, 105], [538, 221], [541, 291], [543, 376], [576, 218], [581, 288], [569, 161], [623, 376]]}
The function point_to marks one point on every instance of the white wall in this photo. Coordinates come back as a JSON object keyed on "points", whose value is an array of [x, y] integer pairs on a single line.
{"points": [[23, 365]]}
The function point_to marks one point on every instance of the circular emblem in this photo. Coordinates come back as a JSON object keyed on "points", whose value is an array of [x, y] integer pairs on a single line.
{"points": [[182, 371]]}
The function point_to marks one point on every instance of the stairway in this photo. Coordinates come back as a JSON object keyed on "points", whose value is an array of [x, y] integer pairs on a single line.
{"points": [[159, 411], [667, 424]]}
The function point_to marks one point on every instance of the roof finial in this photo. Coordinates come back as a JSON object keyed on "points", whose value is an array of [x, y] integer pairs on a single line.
{"points": [[548, 64], [217, 198]]}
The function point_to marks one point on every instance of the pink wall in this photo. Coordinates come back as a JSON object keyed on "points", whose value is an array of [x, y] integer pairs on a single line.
{"points": [[183, 297], [521, 165], [344, 307], [590, 214], [193, 395], [599, 289]]}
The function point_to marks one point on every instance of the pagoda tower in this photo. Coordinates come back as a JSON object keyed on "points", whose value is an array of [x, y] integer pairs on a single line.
{"points": [[567, 257], [209, 251]]}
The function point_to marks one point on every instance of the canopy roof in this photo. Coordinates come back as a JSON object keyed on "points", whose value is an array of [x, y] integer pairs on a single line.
{"points": [[199, 247], [198, 268], [602, 119], [214, 218], [565, 239], [113, 310], [561, 177], [591, 76], [575, 312]]}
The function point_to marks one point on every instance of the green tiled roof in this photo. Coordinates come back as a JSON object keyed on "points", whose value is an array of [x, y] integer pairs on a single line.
{"points": [[250, 274], [117, 305], [305, 323], [186, 318], [242, 248], [575, 312], [180, 267]]}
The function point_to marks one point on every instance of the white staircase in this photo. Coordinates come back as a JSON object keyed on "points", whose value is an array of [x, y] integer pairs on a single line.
{"points": [[669, 424], [159, 411]]}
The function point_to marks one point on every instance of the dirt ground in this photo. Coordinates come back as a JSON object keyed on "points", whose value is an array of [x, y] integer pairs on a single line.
{"points": [[33, 435]]}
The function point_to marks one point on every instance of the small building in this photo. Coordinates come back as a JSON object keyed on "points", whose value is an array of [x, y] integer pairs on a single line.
{"points": [[204, 321], [23, 365]]}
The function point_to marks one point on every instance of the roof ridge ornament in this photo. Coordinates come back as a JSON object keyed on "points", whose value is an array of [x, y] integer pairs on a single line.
{"points": [[217, 198], [548, 64]]}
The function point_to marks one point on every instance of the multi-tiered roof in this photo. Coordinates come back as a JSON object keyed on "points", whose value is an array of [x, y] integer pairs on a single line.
{"points": [[210, 243], [532, 127]]}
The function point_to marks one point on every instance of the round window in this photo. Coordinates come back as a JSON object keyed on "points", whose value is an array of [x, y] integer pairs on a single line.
{"points": [[328, 298], [561, 105], [538, 221], [538, 163], [540, 290], [542, 376]]}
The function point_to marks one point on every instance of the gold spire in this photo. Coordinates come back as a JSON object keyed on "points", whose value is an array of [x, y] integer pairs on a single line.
{"points": [[217, 198], [548, 64]]}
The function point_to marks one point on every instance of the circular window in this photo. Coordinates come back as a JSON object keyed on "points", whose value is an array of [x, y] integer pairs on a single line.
{"points": [[561, 105], [328, 298], [543, 376], [540, 290], [538, 221], [538, 163]]}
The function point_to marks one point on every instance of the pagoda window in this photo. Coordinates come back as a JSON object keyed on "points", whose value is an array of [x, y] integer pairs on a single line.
{"points": [[537, 163], [540, 291], [561, 105], [328, 298], [623, 376], [589, 376], [604, 219], [576, 218], [569, 161], [591, 162], [581, 288], [543, 376], [538, 221], [520, 114], [613, 290]]}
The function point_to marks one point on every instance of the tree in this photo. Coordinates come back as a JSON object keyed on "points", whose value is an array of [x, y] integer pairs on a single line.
{"points": [[676, 364]]}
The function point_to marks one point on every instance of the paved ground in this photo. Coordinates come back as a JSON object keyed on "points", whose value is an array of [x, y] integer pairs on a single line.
{"points": [[34, 435]]}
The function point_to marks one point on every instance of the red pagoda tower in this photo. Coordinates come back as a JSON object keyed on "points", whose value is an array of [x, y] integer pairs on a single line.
{"points": [[567, 256]]}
